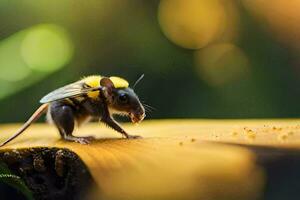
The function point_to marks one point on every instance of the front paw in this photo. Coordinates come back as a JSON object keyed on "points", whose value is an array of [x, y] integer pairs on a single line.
{"points": [[83, 140]]}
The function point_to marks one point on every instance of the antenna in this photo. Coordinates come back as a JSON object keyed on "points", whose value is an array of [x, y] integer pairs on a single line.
{"points": [[137, 81]]}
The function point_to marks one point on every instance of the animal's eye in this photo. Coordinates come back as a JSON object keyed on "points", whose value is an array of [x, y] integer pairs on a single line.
{"points": [[123, 98]]}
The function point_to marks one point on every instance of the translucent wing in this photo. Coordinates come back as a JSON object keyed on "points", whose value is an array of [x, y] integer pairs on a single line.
{"points": [[72, 90]]}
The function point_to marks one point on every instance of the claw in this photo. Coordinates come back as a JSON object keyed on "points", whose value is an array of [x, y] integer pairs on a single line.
{"points": [[134, 137], [81, 140]]}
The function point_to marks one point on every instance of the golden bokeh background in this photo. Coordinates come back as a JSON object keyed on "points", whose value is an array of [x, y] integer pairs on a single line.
{"points": [[201, 58]]}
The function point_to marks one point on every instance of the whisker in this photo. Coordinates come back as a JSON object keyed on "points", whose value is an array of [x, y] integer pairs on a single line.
{"points": [[148, 113], [149, 107], [148, 110]]}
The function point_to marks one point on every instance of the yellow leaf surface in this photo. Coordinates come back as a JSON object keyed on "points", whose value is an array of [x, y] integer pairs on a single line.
{"points": [[176, 159]]}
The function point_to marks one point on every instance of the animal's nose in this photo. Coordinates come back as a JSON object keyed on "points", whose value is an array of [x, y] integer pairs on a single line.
{"points": [[139, 114], [142, 116], [142, 112]]}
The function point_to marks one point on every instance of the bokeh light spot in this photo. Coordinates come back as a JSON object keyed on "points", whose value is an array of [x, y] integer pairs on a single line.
{"points": [[30, 55], [12, 65], [231, 22], [46, 48], [192, 24], [220, 64], [280, 17]]}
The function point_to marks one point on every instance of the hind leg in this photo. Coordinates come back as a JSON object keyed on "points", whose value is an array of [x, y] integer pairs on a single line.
{"points": [[63, 117]]}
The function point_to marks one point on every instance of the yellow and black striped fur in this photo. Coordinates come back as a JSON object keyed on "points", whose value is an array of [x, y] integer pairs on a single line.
{"points": [[95, 97]]}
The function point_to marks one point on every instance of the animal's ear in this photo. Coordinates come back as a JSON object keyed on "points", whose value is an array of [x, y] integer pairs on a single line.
{"points": [[107, 83]]}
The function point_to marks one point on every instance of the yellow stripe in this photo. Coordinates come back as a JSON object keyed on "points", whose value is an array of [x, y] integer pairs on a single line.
{"points": [[119, 82], [94, 81]]}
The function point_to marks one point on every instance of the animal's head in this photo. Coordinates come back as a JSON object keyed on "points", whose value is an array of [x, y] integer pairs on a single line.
{"points": [[122, 99]]}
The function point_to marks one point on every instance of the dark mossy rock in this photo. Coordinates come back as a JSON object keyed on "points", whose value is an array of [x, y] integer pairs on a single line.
{"points": [[50, 173]]}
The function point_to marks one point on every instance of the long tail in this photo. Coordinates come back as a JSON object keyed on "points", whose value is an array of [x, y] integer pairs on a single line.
{"points": [[43, 108]]}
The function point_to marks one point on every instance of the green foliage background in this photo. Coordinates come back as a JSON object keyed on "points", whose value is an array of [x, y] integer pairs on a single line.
{"points": [[125, 39]]}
